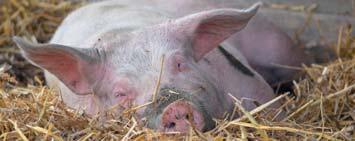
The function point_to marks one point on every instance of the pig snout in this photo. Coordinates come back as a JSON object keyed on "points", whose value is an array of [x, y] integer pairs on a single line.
{"points": [[177, 111], [180, 116]]}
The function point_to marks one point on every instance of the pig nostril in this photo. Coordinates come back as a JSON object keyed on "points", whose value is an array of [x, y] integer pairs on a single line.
{"points": [[187, 117], [171, 125]]}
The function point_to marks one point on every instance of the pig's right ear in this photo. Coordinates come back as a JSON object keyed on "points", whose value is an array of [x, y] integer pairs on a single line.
{"points": [[207, 29], [74, 67]]}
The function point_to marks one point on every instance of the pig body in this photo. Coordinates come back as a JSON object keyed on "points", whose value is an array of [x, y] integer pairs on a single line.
{"points": [[263, 44], [109, 53]]}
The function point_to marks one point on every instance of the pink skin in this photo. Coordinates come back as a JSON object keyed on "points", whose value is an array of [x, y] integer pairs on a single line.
{"points": [[275, 49], [124, 94], [262, 43], [119, 64], [179, 116]]}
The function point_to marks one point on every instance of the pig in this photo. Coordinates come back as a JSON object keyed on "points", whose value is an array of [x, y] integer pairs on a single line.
{"points": [[110, 55]]}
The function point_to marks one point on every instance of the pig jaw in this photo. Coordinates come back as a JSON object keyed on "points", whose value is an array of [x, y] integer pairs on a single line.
{"points": [[180, 116]]}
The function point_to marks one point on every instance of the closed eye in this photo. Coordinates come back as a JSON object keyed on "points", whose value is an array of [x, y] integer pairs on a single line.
{"points": [[120, 94], [179, 66], [179, 63]]}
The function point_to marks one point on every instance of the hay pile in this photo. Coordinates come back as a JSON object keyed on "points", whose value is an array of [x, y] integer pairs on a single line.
{"points": [[323, 109]]}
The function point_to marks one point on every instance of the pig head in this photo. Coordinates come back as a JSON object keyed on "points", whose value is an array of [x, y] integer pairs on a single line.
{"points": [[121, 68]]}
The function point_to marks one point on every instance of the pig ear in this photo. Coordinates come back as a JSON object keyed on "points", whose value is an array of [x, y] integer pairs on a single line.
{"points": [[208, 29], [70, 65]]}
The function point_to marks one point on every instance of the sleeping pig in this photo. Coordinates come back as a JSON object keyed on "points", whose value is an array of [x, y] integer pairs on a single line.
{"points": [[109, 55]]}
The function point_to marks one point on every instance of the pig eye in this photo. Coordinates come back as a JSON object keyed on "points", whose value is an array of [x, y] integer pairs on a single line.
{"points": [[119, 94], [180, 64], [179, 67]]}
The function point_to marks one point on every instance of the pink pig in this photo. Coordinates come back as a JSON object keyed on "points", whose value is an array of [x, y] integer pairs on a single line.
{"points": [[108, 54]]}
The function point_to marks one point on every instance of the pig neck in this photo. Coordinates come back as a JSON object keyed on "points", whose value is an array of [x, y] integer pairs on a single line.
{"points": [[230, 73]]}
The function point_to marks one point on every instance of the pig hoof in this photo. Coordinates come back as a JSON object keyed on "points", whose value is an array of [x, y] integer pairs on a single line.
{"points": [[179, 116]]}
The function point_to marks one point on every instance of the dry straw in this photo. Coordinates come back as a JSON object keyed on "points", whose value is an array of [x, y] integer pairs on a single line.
{"points": [[324, 108]]}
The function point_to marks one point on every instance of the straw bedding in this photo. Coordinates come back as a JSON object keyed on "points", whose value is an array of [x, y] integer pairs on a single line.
{"points": [[323, 106]]}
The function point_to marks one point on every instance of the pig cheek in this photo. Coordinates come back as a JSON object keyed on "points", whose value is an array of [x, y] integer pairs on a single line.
{"points": [[124, 97], [93, 107], [122, 101]]}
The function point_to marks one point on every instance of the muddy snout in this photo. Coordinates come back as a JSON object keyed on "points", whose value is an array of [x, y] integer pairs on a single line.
{"points": [[177, 111], [180, 116]]}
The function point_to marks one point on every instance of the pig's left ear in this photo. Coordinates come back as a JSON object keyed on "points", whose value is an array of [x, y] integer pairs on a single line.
{"points": [[208, 29], [75, 67]]}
